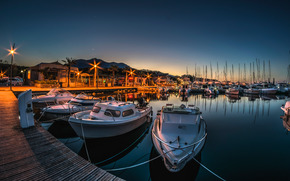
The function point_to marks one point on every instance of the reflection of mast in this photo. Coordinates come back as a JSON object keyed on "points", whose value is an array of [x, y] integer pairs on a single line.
{"points": [[217, 104], [269, 109], [263, 105], [225, 113], [204, 104], [210, 105], [253, 107], [238, 106], [244, 106]]}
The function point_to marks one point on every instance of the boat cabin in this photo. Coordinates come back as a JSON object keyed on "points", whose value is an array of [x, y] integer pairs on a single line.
{"points": [[115, 109]]}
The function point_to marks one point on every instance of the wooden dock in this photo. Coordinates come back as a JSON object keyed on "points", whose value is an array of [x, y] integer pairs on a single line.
{"points": [[34, 154]]}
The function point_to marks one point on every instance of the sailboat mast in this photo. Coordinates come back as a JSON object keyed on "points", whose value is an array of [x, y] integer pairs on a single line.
{"points": [[269, 72], [264, 73]]}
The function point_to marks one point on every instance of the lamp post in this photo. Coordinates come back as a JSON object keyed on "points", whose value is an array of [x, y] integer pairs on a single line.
{"points": [[12, 52]]}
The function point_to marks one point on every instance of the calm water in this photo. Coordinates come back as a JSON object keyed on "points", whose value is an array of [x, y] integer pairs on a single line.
{"points": [[246, 141]]}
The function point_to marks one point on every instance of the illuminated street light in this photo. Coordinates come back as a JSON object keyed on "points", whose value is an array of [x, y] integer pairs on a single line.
{"points": [[78, 73], [2, 73], [12, 51], [148, 76], [96, 67], [131, 72]]}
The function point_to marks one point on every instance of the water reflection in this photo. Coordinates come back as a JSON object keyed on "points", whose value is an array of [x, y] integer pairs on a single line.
{"points": [[286, 123], [61, 129], [107, 150], [240, 130], [159, 172]]}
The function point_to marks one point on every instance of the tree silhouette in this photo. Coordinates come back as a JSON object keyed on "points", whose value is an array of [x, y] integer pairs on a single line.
{"points": [[69, 62], [113, 68]]}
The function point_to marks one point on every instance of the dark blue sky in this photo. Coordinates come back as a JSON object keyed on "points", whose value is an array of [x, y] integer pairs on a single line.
{"points": [[157, 35]]}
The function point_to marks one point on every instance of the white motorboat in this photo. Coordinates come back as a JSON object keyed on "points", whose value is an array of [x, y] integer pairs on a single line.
{"points": [[283, 88], [109, 118], [286, 108], [55, 95], [269, 90], [79, 103], [178, 135]]}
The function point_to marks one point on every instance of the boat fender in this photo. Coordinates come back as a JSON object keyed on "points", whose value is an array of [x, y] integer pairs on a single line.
{"points": [[182, 106]]}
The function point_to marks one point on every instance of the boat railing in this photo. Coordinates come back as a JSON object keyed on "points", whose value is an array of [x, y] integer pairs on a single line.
{"points": [[169, 143], [119, 98], [110, 114]]}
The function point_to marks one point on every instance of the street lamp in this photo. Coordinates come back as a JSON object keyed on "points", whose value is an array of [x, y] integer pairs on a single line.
{"points": [[148, 76], [131, 72], [96, 67], [12, 52]]}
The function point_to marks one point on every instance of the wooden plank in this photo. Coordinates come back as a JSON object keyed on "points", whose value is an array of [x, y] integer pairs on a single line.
{"points": [[34, 154]]}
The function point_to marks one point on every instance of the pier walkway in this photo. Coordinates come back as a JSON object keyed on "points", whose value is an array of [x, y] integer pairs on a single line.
{"points": [[34, 154]]}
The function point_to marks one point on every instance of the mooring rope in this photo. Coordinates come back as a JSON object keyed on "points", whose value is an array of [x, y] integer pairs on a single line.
{"points": [[133, 166], [208, 169], [86, 148]]}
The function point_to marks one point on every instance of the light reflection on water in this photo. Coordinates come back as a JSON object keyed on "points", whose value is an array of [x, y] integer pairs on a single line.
{"points": [[246, 141]]}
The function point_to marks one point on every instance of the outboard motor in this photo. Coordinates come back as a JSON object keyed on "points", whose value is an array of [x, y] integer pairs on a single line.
{"points": [[110, 98], [142, 102]]}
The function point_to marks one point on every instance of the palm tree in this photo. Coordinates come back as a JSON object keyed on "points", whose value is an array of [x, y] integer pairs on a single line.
{"points": [[113, 68], [69, 62], [96, 67], [126, 71]]}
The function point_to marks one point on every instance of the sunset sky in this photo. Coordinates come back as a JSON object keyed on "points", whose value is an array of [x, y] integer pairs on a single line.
{"points": [[159, 35]]}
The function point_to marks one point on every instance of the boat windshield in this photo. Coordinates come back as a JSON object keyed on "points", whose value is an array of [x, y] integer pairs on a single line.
{"points": [[177, 110], [96, 109], [81, 103], [84, 96], [57, 91], [112, 113]]}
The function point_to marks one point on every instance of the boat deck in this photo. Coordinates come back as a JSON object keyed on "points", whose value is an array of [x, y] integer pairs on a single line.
{"points": [[34, 154]]}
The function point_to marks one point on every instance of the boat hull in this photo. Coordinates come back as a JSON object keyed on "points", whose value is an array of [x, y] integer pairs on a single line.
{"points": [[62, 112], [269, 91], [233, 92], [251, 91], [105, 128]]}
